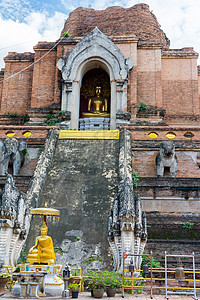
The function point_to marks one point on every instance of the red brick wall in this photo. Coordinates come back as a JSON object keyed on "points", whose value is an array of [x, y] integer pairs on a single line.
{"points": [[16, 94], [199, 86], [140, 133], [180, 86], [144, 164], [130, 50], [43, 79], [1, 83], [38, 132], [178, 96], [149, 81]]}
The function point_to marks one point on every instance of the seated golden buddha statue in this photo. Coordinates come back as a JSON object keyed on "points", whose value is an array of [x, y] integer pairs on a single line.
{"points": [[42, 252], [97, 106]]}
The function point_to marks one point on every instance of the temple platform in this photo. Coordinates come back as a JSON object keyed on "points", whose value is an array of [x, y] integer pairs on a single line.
{"points": [[94, 123], [51, 284]]}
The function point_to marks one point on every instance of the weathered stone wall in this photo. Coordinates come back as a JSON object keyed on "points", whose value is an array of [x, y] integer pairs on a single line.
{"points": [[185, 247], [170, 195], [81, 183], [43, 165], [175, 233]]}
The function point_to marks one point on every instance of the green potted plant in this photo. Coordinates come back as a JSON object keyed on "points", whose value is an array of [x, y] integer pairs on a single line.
{"points": [[96, 283], [4, 278], [112, 281], [76, 276], [74, 288]]}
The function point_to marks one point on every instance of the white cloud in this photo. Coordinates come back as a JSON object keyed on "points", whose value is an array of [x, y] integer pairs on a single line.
{"points": [[179, 19], [21, 37]]}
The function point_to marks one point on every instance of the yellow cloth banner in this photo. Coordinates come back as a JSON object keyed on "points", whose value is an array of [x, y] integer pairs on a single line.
{"points": [[90, 134]]}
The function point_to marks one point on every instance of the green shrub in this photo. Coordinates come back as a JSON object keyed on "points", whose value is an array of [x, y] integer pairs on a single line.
{"points": [[135, 177], [155, 263], [74, 286], [187, 225], [112, 279], [23, 258], [12, 115], [143, 106]]}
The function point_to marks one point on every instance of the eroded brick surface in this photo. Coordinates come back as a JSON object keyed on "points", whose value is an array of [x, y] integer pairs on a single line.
{"points": [[134, 21]]}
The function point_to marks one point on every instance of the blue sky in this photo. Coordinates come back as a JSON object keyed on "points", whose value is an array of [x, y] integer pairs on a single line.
{"points": [[25, 22]]}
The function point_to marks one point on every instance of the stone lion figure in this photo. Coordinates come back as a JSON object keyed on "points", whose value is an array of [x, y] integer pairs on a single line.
{"points": [[166, 158]]}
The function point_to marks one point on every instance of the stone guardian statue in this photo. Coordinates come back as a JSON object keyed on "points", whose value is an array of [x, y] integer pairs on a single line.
{"points": [[12, 153], [166, 158]]}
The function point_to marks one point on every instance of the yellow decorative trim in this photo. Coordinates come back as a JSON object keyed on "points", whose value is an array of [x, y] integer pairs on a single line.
{"points": [[27, 133], [90, 134], [57, 269], [11, 134]]}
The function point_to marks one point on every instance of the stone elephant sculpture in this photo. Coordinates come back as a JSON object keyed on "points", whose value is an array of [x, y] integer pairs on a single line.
{"points": [[166, 158], [11, 153]]}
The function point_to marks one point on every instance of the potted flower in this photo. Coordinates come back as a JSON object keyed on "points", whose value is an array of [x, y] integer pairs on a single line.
{"points": [[112, 281], [76, 277], [4, 278], [74, 288], [96, 283]]}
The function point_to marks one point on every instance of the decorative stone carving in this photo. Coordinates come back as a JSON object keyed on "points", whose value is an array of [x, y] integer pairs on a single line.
{"points": [[95, 50], [43, 165], [11, 152], [94, 124], [14, 223], [127, 231], [166, 158]]}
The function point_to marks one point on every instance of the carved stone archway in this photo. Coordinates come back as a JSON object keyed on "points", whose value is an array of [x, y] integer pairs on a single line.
{"points": [[93, 51]]}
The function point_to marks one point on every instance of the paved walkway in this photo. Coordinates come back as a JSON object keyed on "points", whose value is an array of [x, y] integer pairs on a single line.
{"points": [[87, 296]]}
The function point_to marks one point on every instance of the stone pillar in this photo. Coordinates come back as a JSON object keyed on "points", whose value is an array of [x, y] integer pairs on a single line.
{"points": [[66, 94], [119, 95], [74, 105], [113, 106]]}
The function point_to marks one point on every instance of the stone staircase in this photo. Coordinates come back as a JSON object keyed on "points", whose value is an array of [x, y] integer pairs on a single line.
{"points": [[81, 183]]}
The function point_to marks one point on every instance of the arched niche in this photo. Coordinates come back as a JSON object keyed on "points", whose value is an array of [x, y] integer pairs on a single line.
{"points": [[92, 78], [94, 51]]}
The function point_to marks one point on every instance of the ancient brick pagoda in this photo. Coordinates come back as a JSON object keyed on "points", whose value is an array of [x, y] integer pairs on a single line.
{"points": [[143, 87]]}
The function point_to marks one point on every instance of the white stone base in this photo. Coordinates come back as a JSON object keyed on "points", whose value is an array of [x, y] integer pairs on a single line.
{"points": [[94, 123], [53, 285]]}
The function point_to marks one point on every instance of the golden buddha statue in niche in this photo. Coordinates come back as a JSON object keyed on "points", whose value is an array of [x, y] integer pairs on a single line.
{"points": [[97, 106], [42, 252]]}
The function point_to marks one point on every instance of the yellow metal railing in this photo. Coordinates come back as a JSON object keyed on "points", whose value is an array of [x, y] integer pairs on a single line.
{"points": [[76, 273]]}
